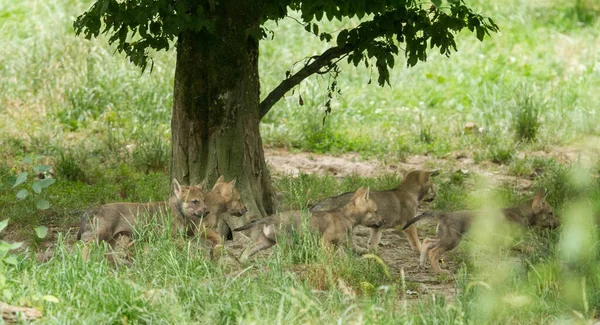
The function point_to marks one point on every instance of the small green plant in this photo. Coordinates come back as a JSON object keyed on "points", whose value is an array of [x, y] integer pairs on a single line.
{"points": [[495, 148], [66, 166], [587, 10], [521, 168], [425, 133], [527, 118], [22, 182], [558, 182], [531, 167], [152, 156], [6, 258], [452, 194], [501, 154]]}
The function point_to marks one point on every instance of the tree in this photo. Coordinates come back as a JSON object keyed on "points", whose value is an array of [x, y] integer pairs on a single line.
{"points": [[217, 107]]}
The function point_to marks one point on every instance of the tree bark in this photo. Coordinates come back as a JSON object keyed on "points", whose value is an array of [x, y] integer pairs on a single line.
{"points": [[215, 121]]}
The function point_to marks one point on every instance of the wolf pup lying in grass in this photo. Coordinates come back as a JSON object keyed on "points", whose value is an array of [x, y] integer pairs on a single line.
{"points": [[334, 225], [191, 210], [453, 225], [223, 198], [396, 207]]}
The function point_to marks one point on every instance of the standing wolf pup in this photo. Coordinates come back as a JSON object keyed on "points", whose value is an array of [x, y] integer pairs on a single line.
{"points": [[334, 225], [396, 207], [453, 225]]}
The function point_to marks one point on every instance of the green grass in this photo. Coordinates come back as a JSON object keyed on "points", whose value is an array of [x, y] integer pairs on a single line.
{"points": [[105, 129], [173, 280]]}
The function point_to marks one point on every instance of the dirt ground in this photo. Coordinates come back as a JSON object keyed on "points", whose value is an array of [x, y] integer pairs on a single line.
{"points": [[394, 248]]}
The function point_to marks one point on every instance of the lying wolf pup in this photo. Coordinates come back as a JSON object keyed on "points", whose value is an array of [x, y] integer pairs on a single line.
{"points": [[453, 225], [396, 207], [223, 198], [110, 221], [334, 225]]}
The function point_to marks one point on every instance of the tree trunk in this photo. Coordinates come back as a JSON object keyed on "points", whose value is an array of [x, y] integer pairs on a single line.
{"points": [[215, 121]]}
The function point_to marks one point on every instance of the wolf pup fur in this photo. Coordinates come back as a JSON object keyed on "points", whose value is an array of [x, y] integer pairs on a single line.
{"points": [[396, 207], [335, 226], [223, 198], [453, 225], [110, 221]]}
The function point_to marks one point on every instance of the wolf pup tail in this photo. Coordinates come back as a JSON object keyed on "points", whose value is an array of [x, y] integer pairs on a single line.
{"points": [[249, 225], [426, 214]]}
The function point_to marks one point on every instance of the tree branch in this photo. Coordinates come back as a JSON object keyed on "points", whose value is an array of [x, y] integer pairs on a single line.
{"points": [[416, 27], [366, 34], [319, 62]]}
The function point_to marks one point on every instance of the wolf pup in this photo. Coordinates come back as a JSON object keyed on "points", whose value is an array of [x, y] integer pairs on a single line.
{"points": [[453, 225], [111, 221], [396, 207], [334, 225], [223, 198]]}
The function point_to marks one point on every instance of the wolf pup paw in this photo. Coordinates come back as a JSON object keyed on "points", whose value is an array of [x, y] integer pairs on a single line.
{"points": [[216, 252]]}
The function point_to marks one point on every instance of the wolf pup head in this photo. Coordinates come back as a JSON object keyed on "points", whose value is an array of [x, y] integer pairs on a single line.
{"points": [[190, 199], [421, 179], [542, 213], [366, 208], [230, 196]]}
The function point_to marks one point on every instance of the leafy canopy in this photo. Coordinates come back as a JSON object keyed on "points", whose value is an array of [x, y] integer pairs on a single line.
{"points": [[136, 26]]}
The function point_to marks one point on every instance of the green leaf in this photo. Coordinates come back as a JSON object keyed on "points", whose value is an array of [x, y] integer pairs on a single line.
{"points": [[319, 15], [41, 168], [36, 187], [41, 232], [11, 259], [21, 179], [46, 182], [342, 37], [22, 194], [437, 3], [480, 32], [5, 247], [28, 160], [3, 224], [42, 204], [50, 298], [16, 245]]}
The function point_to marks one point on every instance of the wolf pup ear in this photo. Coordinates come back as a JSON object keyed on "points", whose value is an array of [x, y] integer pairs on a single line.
{"points": [[537, 205], [545, 194], [227, 189], [220, 180], [359, 193], [232, 183], [366, 196]]}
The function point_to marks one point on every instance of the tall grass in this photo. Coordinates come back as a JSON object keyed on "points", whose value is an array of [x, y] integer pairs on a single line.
{"points": [[515, 277]]}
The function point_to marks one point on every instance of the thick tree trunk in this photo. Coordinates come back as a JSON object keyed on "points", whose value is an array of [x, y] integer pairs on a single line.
{"points": [[215, 122]]}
